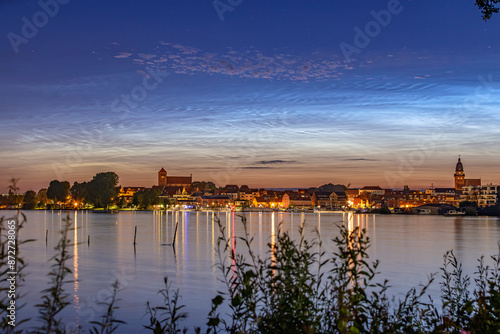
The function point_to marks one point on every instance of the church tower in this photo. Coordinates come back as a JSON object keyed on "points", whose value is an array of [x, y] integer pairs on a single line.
{"points": [[162, 177], [459, 175]]}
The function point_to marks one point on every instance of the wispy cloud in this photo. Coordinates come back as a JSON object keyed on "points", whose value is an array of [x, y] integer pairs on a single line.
{"points": [[123, 55], [274, 162], [252, 167], [248, 63]]}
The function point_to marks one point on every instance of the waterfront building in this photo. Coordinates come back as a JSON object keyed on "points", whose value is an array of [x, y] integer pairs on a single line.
{"points": [[483, 195], [362, 201], [296, 199], [244, 188], [241, 204], [248, 195], [182, 195], [374, 190], [275, 203], [127, 193], [321, 198], [170, 191], [351, 194], [329, 199], [391, 199], [214, 201], [231, 190], [260, 202], [338, 199], [449, 196]]}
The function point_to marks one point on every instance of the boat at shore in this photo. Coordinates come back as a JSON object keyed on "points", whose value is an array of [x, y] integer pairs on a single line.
{"points": [[454, 213]]}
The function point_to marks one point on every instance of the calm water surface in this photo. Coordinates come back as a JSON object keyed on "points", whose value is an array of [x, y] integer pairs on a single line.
{"points": [[409, 248]]}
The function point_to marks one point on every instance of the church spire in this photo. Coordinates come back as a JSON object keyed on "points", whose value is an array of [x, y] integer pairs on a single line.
{"points": [[459, 175], [460, 166]]}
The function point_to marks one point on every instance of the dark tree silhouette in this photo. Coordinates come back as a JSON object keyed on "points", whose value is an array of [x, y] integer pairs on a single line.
{"points": [[487, 7], [58, 191], [147, 198], [102, 189], [79, 191], [41, 197], [29, 201]]}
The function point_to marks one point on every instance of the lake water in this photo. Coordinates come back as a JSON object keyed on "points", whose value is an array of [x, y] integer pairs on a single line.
{"points": [[409, 248]]}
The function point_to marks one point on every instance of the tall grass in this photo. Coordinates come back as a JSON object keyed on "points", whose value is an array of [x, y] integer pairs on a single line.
{"points": [[54, 298], [109, 323], [167, 318], [297, 286]]}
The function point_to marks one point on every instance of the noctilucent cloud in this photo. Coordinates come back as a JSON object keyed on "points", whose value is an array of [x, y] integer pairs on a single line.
{"points": [[265, 93]]}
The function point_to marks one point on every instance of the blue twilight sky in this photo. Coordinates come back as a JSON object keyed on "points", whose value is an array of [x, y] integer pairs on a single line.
{"points": [[268, 93]]}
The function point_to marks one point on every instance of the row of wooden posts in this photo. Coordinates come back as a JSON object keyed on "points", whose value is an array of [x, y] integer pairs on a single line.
{"points": [[135, 236]]}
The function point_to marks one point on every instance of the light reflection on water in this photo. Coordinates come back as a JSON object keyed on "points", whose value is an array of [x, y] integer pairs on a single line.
{"points": [[76, 295], [409, 248]]}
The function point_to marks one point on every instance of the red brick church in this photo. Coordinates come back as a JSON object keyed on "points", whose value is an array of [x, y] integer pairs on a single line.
{"points": [[173, 181]]}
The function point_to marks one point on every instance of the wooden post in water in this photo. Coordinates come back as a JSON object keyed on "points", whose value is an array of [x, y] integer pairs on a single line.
{"points": [[135, 234], [88, 240], [175, 233], [46, 236]]}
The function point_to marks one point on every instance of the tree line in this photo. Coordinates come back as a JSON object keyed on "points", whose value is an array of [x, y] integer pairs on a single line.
{"points": [[99, 192]]}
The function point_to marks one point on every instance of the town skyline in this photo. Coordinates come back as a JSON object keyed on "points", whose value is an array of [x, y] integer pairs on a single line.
{"points": [[384, 182], [181, 192]]}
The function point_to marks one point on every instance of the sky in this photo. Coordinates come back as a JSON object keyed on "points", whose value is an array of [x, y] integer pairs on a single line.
{"points": [[280, 93]]}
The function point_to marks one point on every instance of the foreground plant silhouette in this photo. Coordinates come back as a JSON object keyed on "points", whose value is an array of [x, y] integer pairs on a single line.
{"points": [[297, 288], [54, 298]]}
